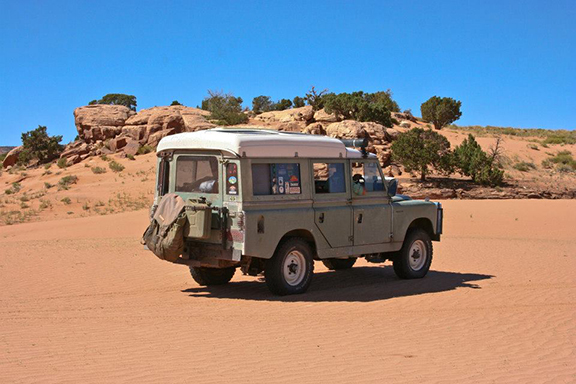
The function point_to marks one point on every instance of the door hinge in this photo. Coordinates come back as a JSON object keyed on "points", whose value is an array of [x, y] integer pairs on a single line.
{"points": [[351, 239], [391, 235]]}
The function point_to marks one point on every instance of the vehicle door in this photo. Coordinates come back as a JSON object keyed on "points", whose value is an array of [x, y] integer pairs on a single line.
{"points": [[332, 209], [372, 210]]}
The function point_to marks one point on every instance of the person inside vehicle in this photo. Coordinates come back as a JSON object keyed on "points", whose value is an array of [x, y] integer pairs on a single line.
{"points": [[358, 185]]}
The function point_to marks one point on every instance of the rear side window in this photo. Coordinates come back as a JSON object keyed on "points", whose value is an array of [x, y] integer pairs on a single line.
{"points": [[232, 179], [276, 179], [329, 178], [163, 177], [197, 174]]}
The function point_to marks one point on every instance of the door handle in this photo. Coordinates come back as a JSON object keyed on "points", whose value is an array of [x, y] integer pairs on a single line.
{"points": [[360, 218], [321, 218]]}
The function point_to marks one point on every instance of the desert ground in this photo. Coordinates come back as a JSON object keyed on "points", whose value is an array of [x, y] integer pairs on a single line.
{"points": [[82, 301]]}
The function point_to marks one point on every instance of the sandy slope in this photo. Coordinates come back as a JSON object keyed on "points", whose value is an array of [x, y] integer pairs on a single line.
{"points": [[81, 301]]}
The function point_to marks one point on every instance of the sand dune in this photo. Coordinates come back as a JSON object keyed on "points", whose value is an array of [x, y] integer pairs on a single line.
{"points": [[81, 301]]}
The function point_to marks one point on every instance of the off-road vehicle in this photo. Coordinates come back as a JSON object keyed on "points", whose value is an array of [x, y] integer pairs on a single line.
{"points": [[274, 202]]}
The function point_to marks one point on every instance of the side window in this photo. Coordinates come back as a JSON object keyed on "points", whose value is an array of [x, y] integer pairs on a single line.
{"points": [[366, 178], [197, 174], [232, 179], [163, 177], [276, 179], [329, 178]]}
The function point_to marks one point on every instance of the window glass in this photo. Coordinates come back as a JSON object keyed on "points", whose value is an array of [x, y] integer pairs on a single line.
{"points": [[366, 177], [276, 179], [163, 177], [197, 174], [373, 177], [261, 179], [329, 178], [232, 184]]}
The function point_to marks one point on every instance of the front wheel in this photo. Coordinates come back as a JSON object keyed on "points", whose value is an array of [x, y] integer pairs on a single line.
{"points": [[291, 268], [212, 276], [414, 259]]}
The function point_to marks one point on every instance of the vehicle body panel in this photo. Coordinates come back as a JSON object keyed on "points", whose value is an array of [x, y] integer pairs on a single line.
{"points": [[338, 225]]}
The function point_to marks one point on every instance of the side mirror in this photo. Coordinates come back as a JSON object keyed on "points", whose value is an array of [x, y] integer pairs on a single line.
{"points": [[392, 186]]}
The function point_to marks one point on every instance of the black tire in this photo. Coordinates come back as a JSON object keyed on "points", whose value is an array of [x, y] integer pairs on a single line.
{"points": [[212, 276], [291, 261], [407, 263], [337, 264]]}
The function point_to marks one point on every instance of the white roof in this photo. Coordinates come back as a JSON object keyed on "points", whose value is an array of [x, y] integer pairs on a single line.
{"points": [[250, 142]]}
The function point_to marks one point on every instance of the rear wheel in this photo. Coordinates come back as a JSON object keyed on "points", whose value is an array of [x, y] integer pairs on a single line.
{"points": [[414, 259], [291, 268], [337, 264], [212, 276]]}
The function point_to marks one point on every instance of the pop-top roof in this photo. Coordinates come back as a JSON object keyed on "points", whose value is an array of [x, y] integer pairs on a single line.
{"points": [[250, 142]]}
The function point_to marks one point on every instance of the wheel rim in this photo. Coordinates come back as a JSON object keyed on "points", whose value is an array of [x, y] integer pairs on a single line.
{"points": [[418, 255], [294, 268]]}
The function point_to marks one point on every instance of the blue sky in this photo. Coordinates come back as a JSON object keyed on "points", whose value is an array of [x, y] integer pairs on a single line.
{"points": [[511, 63]]}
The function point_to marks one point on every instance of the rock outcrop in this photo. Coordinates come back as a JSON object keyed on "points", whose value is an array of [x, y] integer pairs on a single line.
{"points": [[303, 114], [379, 137], [100, 122], [12, 157], [106, 129]]}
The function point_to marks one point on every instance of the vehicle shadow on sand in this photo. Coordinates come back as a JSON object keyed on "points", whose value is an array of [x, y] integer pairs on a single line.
{"points": [[360, 284]]}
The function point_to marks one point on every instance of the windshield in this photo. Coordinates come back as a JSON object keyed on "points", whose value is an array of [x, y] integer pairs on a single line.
{"points": [[197, 174]]}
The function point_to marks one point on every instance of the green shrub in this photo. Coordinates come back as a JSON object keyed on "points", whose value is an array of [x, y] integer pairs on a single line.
{"points": [[315, 98], [130, 157], [145, 149], [563, 161], [565, 168], [44, 204], [362, 106], [534, 147], [524, 166], [115, 166], [471, 160], [561, 137], [298, 102], [418, 149], [105, 158], [48, 185], [262, 104], [175, 102], [283, 104], [66, 181], [225, 109], [37, 145], [2, 157], [62, 163], [15, 188], [66, 200], [547, 163], [117, 99], [98, 170], [440, 111]]}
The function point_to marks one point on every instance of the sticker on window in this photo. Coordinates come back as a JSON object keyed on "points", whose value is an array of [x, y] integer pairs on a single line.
{"points": [[232, 179]]}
